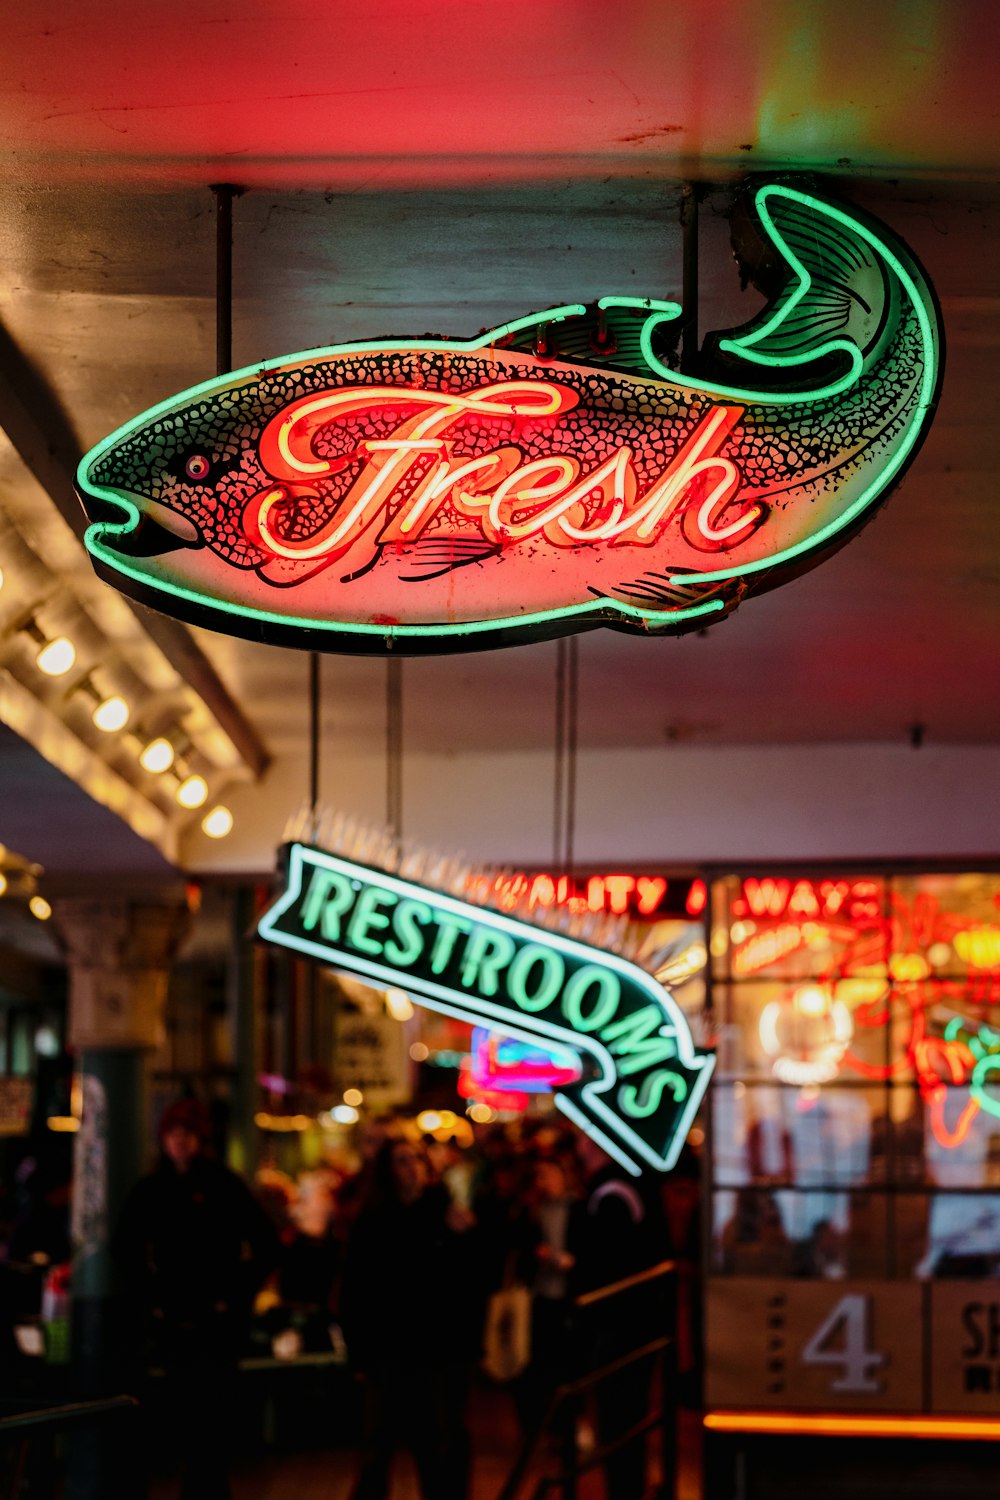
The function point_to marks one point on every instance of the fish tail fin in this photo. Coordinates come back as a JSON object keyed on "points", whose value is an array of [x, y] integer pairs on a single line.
{"points": [[831, 278]]}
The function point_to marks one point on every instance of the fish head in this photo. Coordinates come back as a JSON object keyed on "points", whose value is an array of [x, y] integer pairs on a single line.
{"points": [[173, 477]]}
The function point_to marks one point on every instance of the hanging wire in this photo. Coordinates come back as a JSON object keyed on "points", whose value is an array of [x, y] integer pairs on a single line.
{"points": [[314, 732], [564, 791], [394, 749], [572, 678], [560, 747]]}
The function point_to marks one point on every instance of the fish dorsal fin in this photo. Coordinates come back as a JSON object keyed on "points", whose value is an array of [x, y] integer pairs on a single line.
{"points": [[608, 334]]}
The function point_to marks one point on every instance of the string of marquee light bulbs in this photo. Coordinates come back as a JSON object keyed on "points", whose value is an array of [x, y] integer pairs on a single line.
{"points": [[165, 748]]}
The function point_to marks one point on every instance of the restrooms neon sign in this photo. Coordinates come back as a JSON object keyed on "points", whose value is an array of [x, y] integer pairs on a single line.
{"points": [[631, 1077]]}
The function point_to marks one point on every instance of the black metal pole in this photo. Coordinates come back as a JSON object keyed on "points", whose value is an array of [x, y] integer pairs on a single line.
{"points": [[394, 748], [313, 735], [224, 194], [689, 271], [668, 1394], [572, 731], [559, 786]]}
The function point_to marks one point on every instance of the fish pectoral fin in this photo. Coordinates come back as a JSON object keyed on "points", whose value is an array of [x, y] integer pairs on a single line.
{"points": [[285, 572], [828, 289], [431, 556], [654, 591]]}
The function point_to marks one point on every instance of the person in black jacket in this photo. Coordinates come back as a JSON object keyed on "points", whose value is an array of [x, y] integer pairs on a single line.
{"points": [[621, 1233], [193, 1246], [549, 1233], [411, 1313]]}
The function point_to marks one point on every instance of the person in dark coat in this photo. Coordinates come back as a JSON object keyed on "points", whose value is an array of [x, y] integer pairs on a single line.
{"points": [[193, 1246], [411, 1314], [621, 1233], [549, 1233]]}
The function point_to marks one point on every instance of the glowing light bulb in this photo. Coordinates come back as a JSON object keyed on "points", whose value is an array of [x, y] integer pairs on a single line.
{"points": [[810, 1001], [420, 1052], [429, 1119], [56, 657], [218, 823], [40, 908], [3, 883], [480, 1112], [344, 1114], [192, 791], [397, 1003], [111, 714], [157, 757], [354, 1097]]}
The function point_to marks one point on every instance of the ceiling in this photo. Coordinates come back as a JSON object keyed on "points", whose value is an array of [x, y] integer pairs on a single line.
{"points": [[436, 166]]}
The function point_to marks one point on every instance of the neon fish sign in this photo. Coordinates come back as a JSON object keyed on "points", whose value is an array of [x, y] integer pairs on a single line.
{"points": [[551, 475], [639, 1078]]}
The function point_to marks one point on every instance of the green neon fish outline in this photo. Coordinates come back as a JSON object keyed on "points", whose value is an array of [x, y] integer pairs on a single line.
{"points": [[762, 344]]}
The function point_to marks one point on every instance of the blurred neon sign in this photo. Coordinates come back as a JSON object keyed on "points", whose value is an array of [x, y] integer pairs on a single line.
{"points": [[852, 900], [503, 1063], [883, 940], [641, 897], [638, 1078]]}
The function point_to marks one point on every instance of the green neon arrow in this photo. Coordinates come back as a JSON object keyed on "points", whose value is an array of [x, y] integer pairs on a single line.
{"points": [[642, 1079]]}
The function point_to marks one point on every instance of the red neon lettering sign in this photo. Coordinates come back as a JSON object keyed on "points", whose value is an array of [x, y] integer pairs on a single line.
{"points": [[636, 896], [550, 474], [506, 499]]}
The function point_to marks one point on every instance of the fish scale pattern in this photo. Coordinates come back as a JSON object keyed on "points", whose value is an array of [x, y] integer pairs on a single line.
{"points": [[779, 450]]}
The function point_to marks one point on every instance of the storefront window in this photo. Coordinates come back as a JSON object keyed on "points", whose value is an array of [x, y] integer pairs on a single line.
{"points": [[856, 1113]]}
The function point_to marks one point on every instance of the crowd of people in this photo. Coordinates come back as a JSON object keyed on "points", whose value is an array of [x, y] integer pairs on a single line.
{"points": [[395, 1261]]}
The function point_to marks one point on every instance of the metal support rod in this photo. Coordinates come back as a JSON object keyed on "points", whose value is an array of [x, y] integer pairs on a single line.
{"points": [[691, 195], [224, 194], [314, 731], [564, 792], [558, 790], [310, 998], [394, 748], [570, 1472], [572, 717], [668, 1423]]}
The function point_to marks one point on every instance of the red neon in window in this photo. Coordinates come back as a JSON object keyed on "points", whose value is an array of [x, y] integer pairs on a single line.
{"points": [[650, 891], [623, 894], [697, 898], [885, 950], [767, 897]]}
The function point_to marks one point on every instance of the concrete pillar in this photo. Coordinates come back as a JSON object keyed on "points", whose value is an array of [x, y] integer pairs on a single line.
{"points": [[119, 950]]}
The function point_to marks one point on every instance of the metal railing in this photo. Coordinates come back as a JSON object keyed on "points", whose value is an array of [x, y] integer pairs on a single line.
{"points": [[567, 1400], [23, 1430]]}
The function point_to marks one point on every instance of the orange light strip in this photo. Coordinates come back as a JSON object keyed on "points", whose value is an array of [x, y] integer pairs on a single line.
{"points": [[815, 1424]]}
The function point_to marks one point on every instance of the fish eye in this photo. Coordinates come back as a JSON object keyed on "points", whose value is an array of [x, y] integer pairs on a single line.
{"points": [[197, 467]]}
